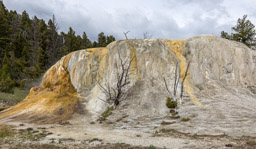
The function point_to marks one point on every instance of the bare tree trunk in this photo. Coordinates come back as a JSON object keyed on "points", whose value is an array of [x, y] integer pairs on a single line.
{"points": [[114, 95], [125, 34], [182, 83], [176, 82], [146, 35]]}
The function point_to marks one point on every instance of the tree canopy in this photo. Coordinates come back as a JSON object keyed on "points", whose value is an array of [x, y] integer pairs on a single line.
{"points": [[28, 46], [244, 32]]}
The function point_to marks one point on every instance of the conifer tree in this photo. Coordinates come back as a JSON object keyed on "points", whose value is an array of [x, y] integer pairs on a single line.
{"points": [[244, 32], [55, 44], [71, 43], [94, 44], [18, 44], [86, 43], [110, 39], [43, 44], [6, 83], [25, 56], [29, 46], [4, 31], [102, 40]]}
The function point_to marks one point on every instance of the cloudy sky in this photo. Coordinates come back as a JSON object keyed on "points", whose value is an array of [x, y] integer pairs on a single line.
{"points": [[172, 19]]}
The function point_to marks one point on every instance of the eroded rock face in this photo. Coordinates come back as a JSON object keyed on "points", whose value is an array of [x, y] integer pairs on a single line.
{"points": [[54, 100], [217, 59], [220, 73]]}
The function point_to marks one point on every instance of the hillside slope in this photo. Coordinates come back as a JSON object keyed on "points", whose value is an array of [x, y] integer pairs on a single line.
{"points": [[219, 96]]}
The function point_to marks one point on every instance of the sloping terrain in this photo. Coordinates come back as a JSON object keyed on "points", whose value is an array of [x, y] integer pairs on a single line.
{"points": [[219, 91]]}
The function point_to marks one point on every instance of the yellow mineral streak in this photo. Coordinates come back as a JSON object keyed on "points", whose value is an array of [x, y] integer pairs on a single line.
{"points": [[178, 47], [98, 55], [134, 71], [54, 100]]}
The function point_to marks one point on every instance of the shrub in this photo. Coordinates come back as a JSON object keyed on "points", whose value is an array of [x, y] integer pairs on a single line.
{"points": [[6, 85], [152, 147], [170, 103], [106, 113], [5, 131], [185, 119]]}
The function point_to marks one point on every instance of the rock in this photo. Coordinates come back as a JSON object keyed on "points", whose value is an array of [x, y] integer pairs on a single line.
{"points": [[217, 86]]}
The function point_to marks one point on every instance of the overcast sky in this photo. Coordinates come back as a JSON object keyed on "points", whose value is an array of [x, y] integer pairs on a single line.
{"points": [[172, 19]]}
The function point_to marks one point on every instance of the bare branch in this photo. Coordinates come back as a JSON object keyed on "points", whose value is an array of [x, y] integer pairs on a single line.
{"points": [[182, 83], [125, 34], [103, 100], [166, 86], [102, 88], [146, 35], [114, 95], [176, 80]]}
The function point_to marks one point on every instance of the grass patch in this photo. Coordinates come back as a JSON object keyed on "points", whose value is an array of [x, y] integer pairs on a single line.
{"points": [[106, 113], [6, 131], [17, 96], [37, 146], [66, 139], [174, 116], [152, 147], [121, 118], [185, 119], [26, 134], [251, 143], [170, 103], [167, 123], [95, 139], [92, 122]]}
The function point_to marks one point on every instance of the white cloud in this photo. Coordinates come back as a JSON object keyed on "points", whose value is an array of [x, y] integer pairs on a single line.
{"points": [[164, 19]]}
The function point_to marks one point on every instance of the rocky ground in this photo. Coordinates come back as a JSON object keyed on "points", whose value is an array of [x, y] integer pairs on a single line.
{"points": [[70, 136], [121, 132]]}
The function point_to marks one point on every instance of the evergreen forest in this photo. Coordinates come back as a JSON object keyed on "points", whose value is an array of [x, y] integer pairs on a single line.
{"points": [[30, 45]]}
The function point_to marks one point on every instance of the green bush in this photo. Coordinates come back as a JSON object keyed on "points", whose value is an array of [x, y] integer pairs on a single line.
{"points": [[107, 112], [20, 83], [7, 85], [170, 103], [5, 131], [185, 119]]}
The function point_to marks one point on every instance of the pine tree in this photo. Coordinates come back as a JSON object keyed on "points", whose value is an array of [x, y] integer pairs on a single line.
{"points": [[102, 40], [86, 43], [43, 44], [6, 83], [43, 58], [94, 44], [4, 31], [70, 41], [25, 57], [54, 46], [110, 39], [29, 46], [5, 71], [244, 32], [18, 44]]}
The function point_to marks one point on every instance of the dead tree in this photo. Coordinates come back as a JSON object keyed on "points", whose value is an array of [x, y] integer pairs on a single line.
{"points": [[182, 83], [125, 34], [114, 94], [146, 35], [176, 83]]}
